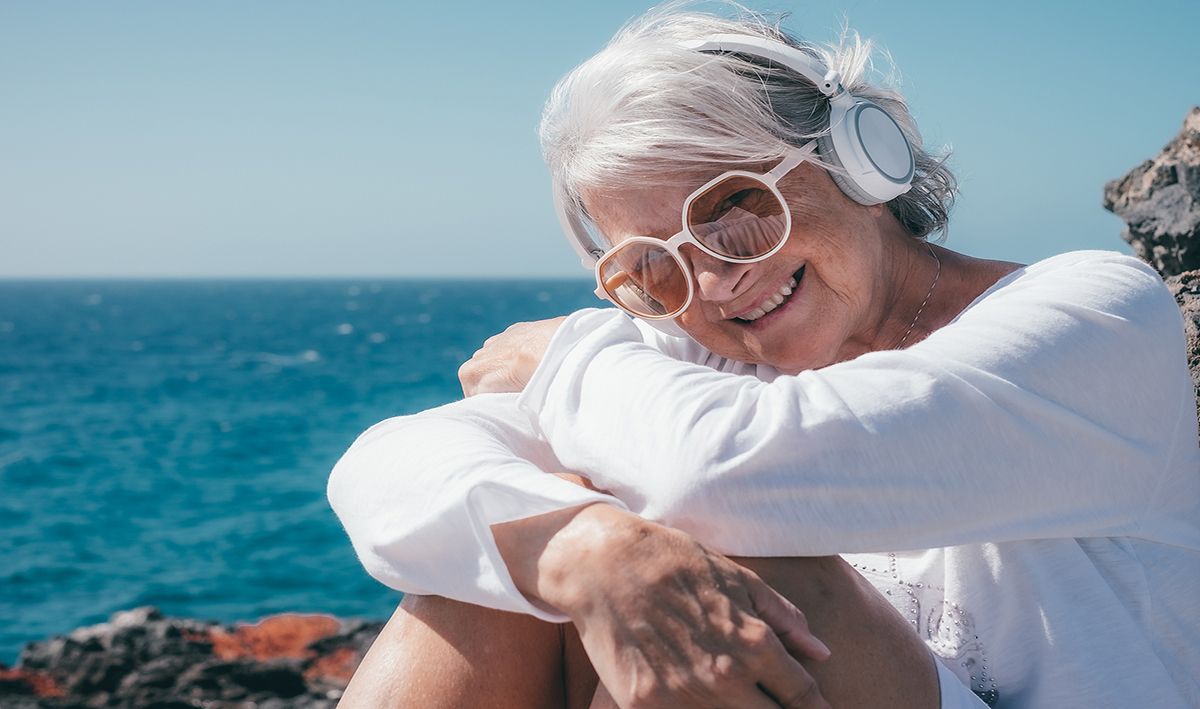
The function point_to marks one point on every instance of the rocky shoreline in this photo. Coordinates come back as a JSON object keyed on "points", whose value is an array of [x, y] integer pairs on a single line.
{"points": [[140, 658]]}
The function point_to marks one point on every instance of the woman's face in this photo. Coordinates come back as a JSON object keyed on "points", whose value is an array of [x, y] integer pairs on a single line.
{"points": [[837, 252]]}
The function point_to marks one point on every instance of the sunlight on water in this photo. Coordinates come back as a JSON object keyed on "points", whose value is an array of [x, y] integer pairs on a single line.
{"points": [[168, 443]]}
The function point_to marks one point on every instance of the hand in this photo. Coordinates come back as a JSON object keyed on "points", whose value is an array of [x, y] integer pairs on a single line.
{"points": [[668, 623], [507, 360]]}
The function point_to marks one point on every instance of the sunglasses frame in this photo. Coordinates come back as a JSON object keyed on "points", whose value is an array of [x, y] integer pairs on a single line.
{"points": [[770, 179]]}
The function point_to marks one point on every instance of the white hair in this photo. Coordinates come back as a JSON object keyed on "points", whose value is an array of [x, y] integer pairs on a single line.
{"points": [[647, 110]]}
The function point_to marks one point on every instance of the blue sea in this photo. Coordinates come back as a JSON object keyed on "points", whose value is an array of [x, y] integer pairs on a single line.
{"points": [[167, 443]]}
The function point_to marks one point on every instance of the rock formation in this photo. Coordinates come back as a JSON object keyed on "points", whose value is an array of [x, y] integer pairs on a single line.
{"points": [[1160, 203], [141, 659], [1186, 289]]}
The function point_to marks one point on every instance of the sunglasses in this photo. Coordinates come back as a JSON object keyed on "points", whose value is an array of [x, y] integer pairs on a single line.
{"points": [[737, 217]]}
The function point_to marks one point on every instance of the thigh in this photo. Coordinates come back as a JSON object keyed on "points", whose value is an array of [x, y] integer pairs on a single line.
{"points": [[579, 677], [877, 659], [438, 653]]}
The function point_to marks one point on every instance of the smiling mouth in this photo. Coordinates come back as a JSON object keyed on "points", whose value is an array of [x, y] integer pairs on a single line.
{"points": [[780, 297]]}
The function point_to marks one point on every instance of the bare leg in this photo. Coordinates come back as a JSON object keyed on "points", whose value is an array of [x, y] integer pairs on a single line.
{"points": [[438, 653], [435, 652], [877, 660]]}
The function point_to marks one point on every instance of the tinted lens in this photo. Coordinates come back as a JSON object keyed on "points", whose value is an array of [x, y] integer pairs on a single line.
{"points": [[644, 279], [739, 217]]}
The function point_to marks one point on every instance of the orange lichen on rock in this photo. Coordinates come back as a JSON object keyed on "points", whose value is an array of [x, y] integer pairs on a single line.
{"points": [[335, 668], [40, 684], [287, 635]]}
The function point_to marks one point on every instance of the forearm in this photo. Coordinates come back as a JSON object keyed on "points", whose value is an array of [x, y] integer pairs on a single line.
{"points": [[541, 552]]}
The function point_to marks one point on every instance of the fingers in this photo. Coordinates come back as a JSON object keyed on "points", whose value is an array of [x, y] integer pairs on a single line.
{"points": [[506, 360], [602, 699], [467, 377], [786, 620], [790, 685], [754, 698]]}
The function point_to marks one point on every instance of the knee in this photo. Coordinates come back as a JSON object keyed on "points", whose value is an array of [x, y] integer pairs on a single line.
{"points": [[805, 581], [444, 613]]}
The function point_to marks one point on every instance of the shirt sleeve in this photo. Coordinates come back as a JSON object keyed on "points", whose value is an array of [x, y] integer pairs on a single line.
{"points": [[418, 495], [1045, 410]]}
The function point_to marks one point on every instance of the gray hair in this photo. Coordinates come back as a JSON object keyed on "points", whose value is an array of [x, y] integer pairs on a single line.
{"points": [[647, 110]]}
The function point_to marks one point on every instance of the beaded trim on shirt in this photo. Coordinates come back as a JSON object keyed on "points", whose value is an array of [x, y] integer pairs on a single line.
{"points": [[948, 630]]}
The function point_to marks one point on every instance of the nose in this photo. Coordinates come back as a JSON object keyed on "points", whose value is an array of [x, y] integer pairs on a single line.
{"points": [[717, 281]]}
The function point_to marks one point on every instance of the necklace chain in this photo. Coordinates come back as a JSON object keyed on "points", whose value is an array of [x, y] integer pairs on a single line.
{"points": [[927, 296]]}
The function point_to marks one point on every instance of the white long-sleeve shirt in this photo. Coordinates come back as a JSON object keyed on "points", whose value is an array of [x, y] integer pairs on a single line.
{"points": [[1040, 454]]}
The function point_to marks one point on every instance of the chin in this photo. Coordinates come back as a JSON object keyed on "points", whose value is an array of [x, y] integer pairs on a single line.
{"points": [[793, 362]]}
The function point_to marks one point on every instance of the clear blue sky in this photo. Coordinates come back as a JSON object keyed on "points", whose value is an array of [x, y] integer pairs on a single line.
{"points": [[264, 138]]}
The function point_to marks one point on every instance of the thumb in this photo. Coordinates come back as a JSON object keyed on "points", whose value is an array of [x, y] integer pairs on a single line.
{"points": [[787, 621]]}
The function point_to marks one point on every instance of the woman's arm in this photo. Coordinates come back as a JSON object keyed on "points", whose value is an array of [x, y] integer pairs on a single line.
{"points": [[1049, 409], [418, 495], [454, 501]]}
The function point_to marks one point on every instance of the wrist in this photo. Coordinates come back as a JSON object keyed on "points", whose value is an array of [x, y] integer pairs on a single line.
{"points": [[553, 557], [577, 558]]}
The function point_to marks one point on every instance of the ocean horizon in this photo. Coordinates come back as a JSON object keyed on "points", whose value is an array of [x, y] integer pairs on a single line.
{"points": [[166, 441]]}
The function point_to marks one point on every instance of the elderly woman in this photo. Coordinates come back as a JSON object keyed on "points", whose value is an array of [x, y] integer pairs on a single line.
{"points": [[946, 480]]}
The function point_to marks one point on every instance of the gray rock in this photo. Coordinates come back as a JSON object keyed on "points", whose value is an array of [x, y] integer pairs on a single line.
{"points": [[1186, 289], [140, 658], [1159, 201]]}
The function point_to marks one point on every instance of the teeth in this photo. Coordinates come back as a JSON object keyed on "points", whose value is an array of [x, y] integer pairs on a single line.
{"points": [[773, 302]]}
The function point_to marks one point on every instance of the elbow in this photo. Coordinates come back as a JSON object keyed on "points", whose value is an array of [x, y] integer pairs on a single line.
{"points": [[344, 487], [379, 560], [386, 512], [374, 541], [374, 467], [353, 497]]}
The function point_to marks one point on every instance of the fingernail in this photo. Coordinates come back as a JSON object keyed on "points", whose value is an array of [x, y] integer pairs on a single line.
{"points": [[824, 648]]}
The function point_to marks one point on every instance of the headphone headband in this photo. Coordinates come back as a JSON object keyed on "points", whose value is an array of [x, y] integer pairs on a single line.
{"points": [[827, 81]]}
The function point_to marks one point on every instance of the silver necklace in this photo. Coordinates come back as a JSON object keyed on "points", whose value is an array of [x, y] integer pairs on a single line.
{"points": [[927, 295]]}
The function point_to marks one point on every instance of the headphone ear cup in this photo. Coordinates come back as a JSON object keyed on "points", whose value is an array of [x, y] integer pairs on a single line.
{"points": [[848, 187]]}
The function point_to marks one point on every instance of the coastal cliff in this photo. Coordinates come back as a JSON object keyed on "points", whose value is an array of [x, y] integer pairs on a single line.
{"points": [[1159, 201]]}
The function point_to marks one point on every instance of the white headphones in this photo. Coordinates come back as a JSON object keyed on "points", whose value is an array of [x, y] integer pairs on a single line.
{"points": [[863, 138]]}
